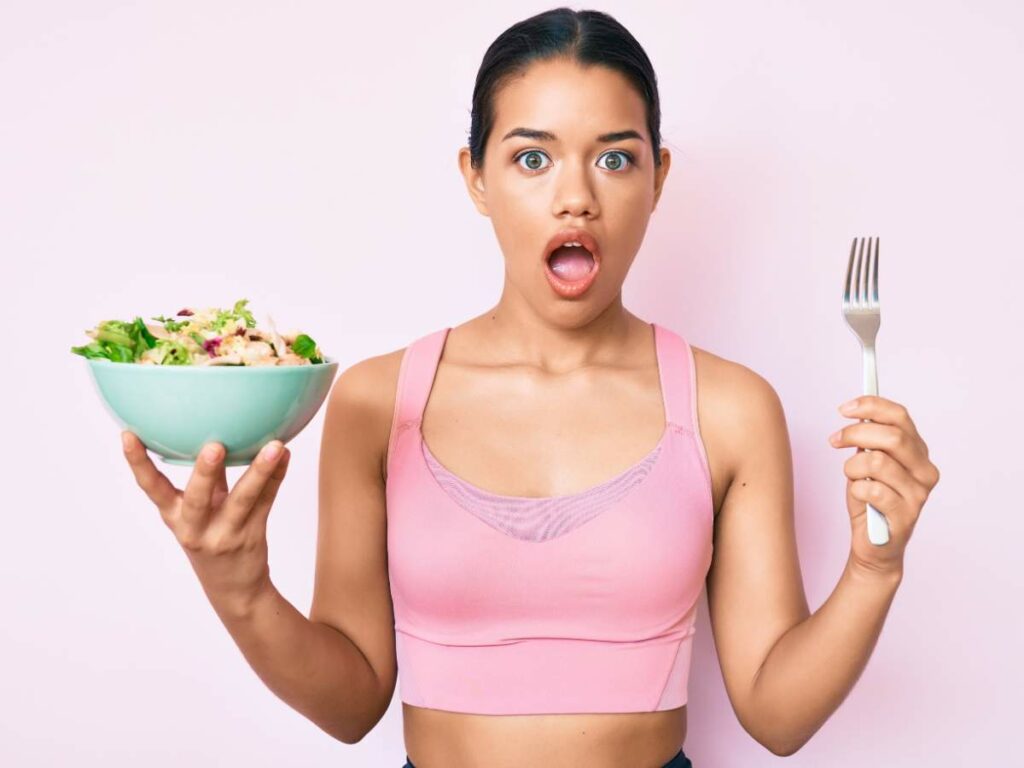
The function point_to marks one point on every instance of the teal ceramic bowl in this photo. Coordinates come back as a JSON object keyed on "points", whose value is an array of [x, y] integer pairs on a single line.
{"points": [[176, 409]]}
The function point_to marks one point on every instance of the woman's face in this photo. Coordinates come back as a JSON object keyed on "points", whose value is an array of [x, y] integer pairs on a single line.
{"points": [[532, 186]]}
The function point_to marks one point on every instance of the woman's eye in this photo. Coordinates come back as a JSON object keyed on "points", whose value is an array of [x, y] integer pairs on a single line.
{"points": [[532, 162], [616, 164]]}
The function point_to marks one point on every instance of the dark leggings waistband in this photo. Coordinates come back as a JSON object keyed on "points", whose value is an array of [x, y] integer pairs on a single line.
{"points": [[679, 761]]}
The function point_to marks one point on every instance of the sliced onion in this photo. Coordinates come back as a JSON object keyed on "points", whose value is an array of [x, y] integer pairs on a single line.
{"points": [[280, 348]]}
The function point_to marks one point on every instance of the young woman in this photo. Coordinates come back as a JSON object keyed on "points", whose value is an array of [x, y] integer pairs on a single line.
{"points": [[519, 512]]}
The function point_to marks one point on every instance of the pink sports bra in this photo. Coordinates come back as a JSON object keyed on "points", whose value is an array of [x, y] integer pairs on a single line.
{"points": [[582, 603]]}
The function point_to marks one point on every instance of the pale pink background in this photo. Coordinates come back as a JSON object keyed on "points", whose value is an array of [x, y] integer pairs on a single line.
{"points": [[303, 156]]}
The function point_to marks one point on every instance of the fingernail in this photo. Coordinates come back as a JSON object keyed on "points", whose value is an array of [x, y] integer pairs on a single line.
{"points": [[834, 437], [271, 451], [126, 440], [848, 407], [211, 454]]}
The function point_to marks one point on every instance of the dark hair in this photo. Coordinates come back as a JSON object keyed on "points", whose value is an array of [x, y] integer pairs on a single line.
{"points": [[586, 37]]}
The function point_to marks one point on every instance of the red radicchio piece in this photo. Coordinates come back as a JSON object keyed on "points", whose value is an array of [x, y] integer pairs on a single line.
{"points": [[210, 345], [185, 313]]}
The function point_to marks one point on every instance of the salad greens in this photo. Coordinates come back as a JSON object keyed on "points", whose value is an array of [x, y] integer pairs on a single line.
{"points": [[211, 336]]}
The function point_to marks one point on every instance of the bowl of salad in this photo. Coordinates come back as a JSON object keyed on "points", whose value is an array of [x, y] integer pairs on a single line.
{"points": [[207, 375]]}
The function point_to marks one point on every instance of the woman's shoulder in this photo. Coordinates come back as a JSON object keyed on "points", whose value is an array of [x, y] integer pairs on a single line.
{"points": [[368, 380], [732, 400], [367, 390], [372, 384], [727, 382]]}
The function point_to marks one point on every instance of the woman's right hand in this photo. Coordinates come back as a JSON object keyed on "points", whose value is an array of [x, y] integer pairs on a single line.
{"points": [[224, 534]]}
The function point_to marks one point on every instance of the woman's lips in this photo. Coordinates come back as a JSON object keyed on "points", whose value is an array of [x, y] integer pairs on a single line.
{"points": [[569, 289]]}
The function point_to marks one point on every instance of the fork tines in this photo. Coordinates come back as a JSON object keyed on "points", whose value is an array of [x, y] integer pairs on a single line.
{"points": [[861, 298]]}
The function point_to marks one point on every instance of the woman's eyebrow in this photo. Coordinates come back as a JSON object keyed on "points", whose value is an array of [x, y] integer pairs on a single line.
{"points": [[538, 135]]}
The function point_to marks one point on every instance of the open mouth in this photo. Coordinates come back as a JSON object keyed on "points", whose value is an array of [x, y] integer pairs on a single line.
{"points": [[572, 262]]}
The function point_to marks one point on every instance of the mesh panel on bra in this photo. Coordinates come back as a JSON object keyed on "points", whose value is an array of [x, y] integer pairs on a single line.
{"points": [[539, 519]]}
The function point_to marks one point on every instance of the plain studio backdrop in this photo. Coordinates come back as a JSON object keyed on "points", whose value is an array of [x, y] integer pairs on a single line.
{"points": [[303, 156]]}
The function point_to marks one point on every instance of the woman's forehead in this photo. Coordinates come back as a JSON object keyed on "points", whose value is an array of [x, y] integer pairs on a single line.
{"points": [[568, 99]]}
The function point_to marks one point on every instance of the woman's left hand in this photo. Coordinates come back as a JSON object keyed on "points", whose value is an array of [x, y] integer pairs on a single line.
{"points": [[901, 475]]}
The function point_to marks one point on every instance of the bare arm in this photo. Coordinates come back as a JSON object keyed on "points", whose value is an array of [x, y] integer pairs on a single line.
{"points": [[813, 667], [786, 671], [338, 666], [312, 667]]}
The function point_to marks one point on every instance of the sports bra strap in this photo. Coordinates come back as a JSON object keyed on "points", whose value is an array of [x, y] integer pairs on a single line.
{"points": [[678, 384], [415, 378]]}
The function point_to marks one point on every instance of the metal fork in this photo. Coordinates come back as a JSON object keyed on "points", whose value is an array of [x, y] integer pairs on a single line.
{"points": [[863, 314]]}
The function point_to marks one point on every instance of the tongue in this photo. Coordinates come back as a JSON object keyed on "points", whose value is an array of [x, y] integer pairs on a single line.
{"points": [[571, 263]]}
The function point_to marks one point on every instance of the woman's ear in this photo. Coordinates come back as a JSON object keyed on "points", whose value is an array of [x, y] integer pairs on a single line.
{"points": [[659, 175], [474, 181]]}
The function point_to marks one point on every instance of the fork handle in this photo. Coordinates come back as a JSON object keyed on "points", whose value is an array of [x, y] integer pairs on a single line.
{"points": [[878, 526]]}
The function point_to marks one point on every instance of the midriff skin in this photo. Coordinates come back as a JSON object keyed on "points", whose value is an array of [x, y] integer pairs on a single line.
{"points": [[440, 739]]}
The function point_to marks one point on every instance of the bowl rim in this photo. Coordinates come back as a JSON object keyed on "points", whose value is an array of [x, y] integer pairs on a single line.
{"points": [[103, 362]]}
